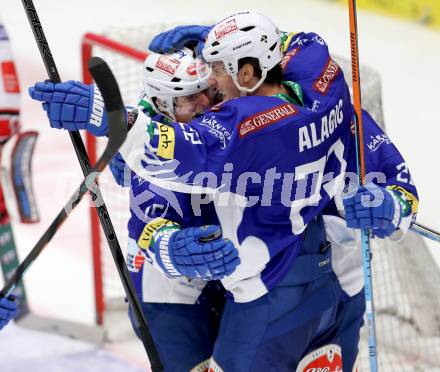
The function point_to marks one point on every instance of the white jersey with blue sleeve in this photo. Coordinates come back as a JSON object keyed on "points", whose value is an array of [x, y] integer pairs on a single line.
{"points": [[271, 164]]}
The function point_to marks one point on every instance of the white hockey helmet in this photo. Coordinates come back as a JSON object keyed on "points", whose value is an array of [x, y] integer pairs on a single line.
{"points": [[166, 77], [244, 34]]}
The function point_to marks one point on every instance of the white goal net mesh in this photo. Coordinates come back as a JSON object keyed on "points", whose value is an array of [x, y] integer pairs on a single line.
{"points": [[405, 277]]}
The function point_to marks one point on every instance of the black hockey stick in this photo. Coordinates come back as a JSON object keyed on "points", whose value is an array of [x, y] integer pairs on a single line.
{"points": [[117, 134], [101, 209]]}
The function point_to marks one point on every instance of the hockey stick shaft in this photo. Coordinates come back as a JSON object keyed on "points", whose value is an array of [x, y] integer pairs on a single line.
{"points": [[102, 211], [426, 232], [359, 134], [52, 229]]}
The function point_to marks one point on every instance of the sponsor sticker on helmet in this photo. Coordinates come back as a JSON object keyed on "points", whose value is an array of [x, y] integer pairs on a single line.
{"points": [[325, 359], [330, 71], [192, 70], [167, 65], [224, 28], [167, 140], [264, 119]]}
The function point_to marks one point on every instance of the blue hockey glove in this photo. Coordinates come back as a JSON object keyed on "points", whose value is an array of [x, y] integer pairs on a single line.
{"points": [[72, 105], [8, 310], [120, 171], [373, 207], [171, 40], [194, 252]]}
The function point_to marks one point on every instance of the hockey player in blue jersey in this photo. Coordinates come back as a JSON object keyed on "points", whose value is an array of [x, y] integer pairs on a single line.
{"points": [[346, 320], [302, 54], [174, 307], [286, 300], [179, 306]]}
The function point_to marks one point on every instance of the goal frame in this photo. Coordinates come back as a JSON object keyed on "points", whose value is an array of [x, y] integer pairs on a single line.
{"points": [[89, 41]]}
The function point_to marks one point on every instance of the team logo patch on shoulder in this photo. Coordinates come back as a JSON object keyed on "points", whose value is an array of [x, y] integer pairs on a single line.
{"points": [[325, 359], [377, 141], [217, 130], [167, 65], [167, 140], [328, 74], [266, 118], [287, 57], [225, 28]]}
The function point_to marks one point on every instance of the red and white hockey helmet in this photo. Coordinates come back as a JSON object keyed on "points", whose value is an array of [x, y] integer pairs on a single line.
{"points": [[244, 34], [166, 77]]}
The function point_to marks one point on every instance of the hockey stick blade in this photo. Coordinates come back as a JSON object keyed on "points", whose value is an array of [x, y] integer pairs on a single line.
{"points": [[114, 106], [117, 134]]}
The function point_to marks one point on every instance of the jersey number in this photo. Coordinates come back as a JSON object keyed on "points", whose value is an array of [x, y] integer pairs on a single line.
{"points": [[330, 182]]}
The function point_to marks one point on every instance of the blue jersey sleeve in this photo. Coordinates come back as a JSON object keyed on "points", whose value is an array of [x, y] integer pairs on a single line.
{"points": [[307, 61], [386, 167]]}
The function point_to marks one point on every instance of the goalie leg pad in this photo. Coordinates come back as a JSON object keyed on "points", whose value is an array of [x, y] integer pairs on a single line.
{"points": [[16, 177]]}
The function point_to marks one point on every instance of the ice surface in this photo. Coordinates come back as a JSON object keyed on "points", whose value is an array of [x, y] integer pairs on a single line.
{"points": [[26, 350], [406, 55]]}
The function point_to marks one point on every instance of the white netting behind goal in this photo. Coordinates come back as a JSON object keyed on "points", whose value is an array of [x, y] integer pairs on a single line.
{"points": [[405, 277]]}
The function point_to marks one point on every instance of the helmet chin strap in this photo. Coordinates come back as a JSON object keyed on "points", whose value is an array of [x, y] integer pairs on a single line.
{"points": [[244, 90]]}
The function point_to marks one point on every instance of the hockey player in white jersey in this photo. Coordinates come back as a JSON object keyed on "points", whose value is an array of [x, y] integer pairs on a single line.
{"points": [[285, 300], [172, 306]]}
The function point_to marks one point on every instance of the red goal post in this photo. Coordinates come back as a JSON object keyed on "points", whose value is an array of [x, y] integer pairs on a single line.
{"points": [[90, 41]]}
